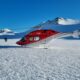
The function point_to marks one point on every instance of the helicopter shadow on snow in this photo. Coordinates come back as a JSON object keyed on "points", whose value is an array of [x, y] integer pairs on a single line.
{"points": [[9, 46], [14, 47], [5, 47]]}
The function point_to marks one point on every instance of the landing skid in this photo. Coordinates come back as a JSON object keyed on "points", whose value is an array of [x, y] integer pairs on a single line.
{"points": [[43, 46]]}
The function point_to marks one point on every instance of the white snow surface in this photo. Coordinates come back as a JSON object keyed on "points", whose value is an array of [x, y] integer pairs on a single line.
{"points": [[61, 61]]}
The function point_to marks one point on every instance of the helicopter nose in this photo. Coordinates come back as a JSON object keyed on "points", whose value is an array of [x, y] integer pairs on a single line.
{"points": [[19, 43]]}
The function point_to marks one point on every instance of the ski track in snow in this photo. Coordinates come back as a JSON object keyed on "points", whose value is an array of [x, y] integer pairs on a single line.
{"points": [[39, 64]]}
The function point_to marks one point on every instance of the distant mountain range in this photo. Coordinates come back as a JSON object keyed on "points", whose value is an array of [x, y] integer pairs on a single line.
{"points": [[7, 33]]}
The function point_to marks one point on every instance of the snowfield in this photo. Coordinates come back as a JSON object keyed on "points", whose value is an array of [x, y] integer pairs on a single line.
{"points": [[60, 62]]}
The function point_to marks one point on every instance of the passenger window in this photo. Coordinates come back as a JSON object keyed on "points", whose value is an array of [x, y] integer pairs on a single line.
{"points": [[31, 38], [36, 38]]}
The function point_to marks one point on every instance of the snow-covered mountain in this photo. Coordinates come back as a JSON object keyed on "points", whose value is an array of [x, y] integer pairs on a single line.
{"points": [[65, 21], [5, 30], [60, 21], [60, 25], [7, 33]]}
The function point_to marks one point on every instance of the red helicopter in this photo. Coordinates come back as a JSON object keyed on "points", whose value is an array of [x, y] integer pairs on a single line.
{"points": [[36, 36], [45, 32]]}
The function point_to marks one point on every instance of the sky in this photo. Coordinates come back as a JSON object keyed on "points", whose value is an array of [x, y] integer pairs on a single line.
{"points": [[21, 15]]}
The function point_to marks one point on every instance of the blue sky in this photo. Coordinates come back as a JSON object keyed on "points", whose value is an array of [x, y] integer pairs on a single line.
{"points": [[23, 14]]}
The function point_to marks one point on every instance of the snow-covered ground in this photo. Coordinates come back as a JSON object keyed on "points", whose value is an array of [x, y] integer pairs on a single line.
{"points": [[60, 62], [10, 42]]}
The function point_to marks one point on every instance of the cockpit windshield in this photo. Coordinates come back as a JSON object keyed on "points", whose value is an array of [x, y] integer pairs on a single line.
{"points": [[23, 39]]}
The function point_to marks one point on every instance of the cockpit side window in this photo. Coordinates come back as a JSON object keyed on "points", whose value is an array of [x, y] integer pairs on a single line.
{"points": [[23, 39]]}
